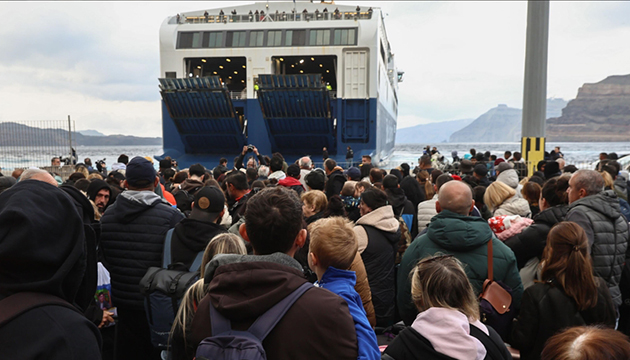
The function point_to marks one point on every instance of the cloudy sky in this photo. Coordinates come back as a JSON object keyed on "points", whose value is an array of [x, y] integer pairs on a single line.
{"points": [[99, 61]]}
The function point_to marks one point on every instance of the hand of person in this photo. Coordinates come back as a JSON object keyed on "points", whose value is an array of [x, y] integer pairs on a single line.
{"points": [[107, 319], [244, 150], [256, 151]]}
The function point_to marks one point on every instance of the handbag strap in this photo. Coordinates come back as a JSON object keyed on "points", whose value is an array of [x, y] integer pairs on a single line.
{"points": [[166, 253], [490, 261], [491, 346]]}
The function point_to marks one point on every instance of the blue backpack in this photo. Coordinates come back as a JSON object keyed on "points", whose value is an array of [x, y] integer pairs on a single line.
{"points": [[226, 344], [163, 290]]}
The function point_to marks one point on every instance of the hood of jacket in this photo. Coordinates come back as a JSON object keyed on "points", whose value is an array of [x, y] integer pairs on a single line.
{"points": [[606, 203], [381, 218], [552, 215], [244, 286], [95, 186], [396, 198], [448, 331], [191, 184], [130, 204], [42, 241], [277, 175], [289, 182], [514, 206], [456, 232], [195, 234], [509, 177]]}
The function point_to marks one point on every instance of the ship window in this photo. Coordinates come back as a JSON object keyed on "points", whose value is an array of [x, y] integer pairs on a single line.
{"points": [[196, 40], [295, 38], [319, 37], [235, 39], [344, 37], [213, 39], [274, 38], [256, 38], [185, 40]]}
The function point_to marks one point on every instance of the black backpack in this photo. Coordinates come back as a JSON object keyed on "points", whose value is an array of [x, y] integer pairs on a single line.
{"points": [[185, 199], [163, 290]]}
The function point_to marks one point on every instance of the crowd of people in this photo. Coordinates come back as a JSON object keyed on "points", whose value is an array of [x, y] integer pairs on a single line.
{"points": [[289, 261]]}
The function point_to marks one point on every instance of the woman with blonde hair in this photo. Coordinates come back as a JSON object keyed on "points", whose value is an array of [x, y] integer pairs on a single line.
{"points": [[314, 203], [225, 243], [568, 296], [501, 200], [447, 325], [425, 181]]}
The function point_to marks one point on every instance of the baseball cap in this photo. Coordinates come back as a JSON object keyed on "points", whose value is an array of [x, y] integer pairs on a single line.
{"points": [[209, 199], [293, 170], [354, 173]]}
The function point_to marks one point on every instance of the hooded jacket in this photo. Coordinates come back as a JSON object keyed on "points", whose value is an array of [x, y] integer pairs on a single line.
{"points": [[378, 233], [621, 187], [465, 237], [532, 240], [243, 287], [191, 237], [292, 183], [132, 240], [342, 283], [42, 249], [403, 208], [413, 190], [441, 333], [513, 206], [607, 232]]}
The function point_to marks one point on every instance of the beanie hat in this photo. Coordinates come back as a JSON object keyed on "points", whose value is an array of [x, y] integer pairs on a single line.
{"points": [[293, 170], [139, 170], [481, 170], [466, 166], [316, 180], [503, 166]]}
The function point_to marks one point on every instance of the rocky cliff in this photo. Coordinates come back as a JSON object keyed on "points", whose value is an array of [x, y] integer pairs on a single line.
{"points": [[600, 112]]}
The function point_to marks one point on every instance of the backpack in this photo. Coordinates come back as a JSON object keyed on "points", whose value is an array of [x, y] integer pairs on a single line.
{"points": [[184, 199], [163, 290], [405, 235], [226, 343]]}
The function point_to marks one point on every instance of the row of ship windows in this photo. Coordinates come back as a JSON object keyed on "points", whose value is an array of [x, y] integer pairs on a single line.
{"points": [[256, 38]]}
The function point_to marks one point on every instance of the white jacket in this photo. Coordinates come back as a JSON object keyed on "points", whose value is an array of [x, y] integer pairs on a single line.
{"points": [[426, 212]]}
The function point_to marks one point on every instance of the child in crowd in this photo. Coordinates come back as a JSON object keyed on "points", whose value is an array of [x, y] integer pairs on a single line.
{"points": [[332, 249]]}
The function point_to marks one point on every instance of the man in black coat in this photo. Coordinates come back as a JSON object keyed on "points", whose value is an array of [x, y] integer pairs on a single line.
{"points": [[132, 240], [192, 235], [336, 179]]}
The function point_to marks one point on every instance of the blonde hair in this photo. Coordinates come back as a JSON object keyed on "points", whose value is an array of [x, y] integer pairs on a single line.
{"points": [[440, 281], [333, 242], [95, 176], [226, 243], [315, 198], [608, 180], [496, 194], [425, 181]]}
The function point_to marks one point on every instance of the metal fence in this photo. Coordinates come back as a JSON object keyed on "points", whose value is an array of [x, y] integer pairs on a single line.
{"points": [[26, 144]]}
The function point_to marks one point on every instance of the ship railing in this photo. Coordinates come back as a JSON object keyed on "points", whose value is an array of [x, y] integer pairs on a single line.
{"points": [[300, 16]]}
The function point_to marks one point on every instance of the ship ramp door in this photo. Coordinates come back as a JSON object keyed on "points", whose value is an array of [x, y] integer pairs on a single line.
{"points": [[355, 104], [204, 115], [296, 109]]}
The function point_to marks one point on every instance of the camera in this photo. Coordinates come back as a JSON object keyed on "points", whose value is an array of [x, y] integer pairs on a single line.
{"points": [[250, 148]]}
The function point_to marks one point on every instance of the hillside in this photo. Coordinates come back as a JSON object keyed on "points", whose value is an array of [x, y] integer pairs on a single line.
{"points": [[432, 133], [13, 134], [600, 112]]}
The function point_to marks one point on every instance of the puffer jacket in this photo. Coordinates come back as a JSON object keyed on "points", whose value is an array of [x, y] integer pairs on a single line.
{"points": [[426, 212], [513, 206], [532, 240], [132, 240], [510, 178], [379, 232], [466, 237], [607, 232], [621, 187]]}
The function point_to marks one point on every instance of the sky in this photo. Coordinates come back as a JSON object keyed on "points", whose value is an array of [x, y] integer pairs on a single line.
{"points": [[99, 61]]}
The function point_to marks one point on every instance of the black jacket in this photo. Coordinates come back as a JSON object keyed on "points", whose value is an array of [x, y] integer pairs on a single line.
{"points": [[546, 309], [43, 250], [413, 190], [403, 208], [411, 345], [191, 237], [379, 257], [335, 183], [532, 240], [132, 240]]}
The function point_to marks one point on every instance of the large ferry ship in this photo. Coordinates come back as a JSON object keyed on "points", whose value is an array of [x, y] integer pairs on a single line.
{"points": [[283, 76]]}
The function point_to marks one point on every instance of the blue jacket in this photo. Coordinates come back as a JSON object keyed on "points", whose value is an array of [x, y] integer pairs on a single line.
{"points": [[341, 282]]}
